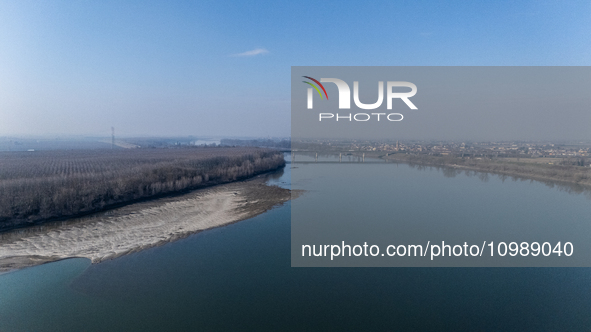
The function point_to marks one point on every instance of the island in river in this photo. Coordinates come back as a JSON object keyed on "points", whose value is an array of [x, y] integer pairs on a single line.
{"points": [[135, 227]]}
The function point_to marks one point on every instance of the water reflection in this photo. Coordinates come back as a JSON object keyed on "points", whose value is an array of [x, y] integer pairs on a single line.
{"points": [[447, 171], [451, 172]]}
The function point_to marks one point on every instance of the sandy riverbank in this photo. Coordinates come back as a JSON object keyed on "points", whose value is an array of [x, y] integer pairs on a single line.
{"points": [[139, 226]]}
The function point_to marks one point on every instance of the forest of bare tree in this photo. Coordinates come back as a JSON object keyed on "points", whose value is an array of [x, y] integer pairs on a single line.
{"points": [[43, 185]]}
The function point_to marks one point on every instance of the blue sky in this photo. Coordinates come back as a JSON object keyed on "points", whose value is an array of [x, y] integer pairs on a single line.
{"points": [[192, 67]]}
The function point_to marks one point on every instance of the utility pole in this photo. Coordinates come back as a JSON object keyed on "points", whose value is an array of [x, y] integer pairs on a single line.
{"points": [[112, 138]]}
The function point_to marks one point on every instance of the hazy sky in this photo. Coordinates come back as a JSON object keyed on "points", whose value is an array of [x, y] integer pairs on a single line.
{"points": [[223, 67]]}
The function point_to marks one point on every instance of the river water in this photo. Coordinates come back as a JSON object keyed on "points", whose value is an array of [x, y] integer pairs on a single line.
{"points": [[239, 277]]}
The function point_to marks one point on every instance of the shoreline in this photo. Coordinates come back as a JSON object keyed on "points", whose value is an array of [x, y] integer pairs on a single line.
{"points": [[24, 223], [484, 169], [559, 174], [139, 226]]}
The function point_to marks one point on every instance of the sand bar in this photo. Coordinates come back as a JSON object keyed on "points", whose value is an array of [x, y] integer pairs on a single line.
{"points": [[139, 226]]}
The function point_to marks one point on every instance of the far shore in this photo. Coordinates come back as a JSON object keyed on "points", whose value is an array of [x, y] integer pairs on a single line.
{"points": [[138, 226], [559, 174], [544, 173]]}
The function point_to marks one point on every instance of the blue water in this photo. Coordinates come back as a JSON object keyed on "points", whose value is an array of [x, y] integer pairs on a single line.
{"points": [[238, 277], [387, 204]]}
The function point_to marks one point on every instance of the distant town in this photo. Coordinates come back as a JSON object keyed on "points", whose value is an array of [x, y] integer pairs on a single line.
{"points": [[571, 153]]}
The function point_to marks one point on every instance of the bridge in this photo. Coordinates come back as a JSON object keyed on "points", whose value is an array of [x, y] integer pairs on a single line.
{"points": [[356, 158]]}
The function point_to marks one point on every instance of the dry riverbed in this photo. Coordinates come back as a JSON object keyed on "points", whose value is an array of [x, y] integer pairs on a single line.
{"points": [[139, 226]]}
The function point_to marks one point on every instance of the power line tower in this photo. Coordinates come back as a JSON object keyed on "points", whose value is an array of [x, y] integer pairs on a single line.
{"points": [[112, 138]]}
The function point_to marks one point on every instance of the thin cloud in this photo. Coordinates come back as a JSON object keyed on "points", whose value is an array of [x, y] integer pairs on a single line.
{"points": [[254, 52]]}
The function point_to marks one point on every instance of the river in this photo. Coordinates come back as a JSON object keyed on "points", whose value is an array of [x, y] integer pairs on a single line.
{"points": [[239, 277]]}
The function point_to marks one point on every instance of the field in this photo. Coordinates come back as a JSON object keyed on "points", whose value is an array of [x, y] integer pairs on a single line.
{"points": [[42, 185]]}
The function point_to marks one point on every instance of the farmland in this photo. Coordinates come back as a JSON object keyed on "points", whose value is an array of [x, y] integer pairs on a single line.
{"points": [[44, 185]]}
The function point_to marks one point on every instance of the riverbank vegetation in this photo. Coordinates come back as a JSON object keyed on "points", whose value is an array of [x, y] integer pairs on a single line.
{"points": [[564, 173], [43, 185]]}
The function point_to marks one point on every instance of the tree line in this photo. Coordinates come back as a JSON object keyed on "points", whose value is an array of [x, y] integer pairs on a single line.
{"points": [[37, 186]]}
